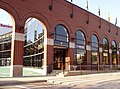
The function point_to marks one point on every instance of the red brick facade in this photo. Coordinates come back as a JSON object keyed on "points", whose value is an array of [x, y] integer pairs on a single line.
{"points": [[59, 13]]}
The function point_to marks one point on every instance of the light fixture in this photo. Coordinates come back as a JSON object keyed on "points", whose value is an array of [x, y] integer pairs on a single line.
{"points": [[51, 5]]}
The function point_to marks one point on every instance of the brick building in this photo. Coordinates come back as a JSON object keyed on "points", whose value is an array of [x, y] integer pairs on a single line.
{"points": [[70, 34]]}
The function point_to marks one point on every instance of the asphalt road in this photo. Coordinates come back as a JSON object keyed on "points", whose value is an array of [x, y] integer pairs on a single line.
{"points": [[94, 81], [115, 84]]}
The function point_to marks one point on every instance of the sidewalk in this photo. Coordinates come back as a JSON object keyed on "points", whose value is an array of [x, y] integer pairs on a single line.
{"points": [[22, 80], [59, 80]]}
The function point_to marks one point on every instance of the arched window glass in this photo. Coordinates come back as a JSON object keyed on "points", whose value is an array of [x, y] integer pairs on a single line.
{"points": [[34, 43], [80, 48], [7, 24], [106, 60], [80, 38], [94, 50], [61, 36], [114, 53]]}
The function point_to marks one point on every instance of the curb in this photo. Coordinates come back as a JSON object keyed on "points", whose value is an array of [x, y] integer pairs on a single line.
{"points": [[16, 82]]}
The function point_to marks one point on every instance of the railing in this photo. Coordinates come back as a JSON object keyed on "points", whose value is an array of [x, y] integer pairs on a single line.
{"points": [[95, 68], [86, 69]]}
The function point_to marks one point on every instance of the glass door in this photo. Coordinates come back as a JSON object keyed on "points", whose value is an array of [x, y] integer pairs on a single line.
{"points": [[59, 59]]}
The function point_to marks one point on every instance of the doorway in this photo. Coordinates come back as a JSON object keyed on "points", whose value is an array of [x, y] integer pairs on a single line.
{"points": [[59, 59]]}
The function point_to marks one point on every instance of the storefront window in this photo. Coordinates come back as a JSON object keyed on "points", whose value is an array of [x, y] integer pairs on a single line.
{"points": [[34, 43], [80, 48], [114, 53], [94, 50], [106, 60], [5, 48], [61, 36]]}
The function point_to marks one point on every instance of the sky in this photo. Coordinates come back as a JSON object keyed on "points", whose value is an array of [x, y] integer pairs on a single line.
{"points": [[5, 18], [107, 8], [110, 7]]}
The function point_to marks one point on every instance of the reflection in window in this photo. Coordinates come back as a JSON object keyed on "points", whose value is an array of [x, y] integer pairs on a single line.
{"points": [[80, 48], [106, 60], [5, 49], [94, 50], [5, 37], [114, 53], [61, 36], [34, 43]]}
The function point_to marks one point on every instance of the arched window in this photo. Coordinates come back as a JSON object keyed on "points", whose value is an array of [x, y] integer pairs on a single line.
{"points": [[80, 48], [61, 36], [94, 50], [34, 43], [106, 60], [61, 42], [7, 24], [114, 53]]}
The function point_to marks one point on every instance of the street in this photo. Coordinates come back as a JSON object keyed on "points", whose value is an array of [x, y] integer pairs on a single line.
{"points": [[93, 81], [115, 84]]}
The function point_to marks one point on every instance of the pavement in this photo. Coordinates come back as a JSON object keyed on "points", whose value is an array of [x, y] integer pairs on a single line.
{"points": [[93, 81], [22, 80]]}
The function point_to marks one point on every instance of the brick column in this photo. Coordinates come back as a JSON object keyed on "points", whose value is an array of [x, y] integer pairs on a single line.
{"points": [[110, 55], [101, 56], [88, 49], [71, 52], [118, 57], [17, 51], [48, 55], [88, 56]]}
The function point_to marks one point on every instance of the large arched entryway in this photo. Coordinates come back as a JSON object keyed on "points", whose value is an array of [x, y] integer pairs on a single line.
{"points": [[114, 53], [80, 48], [106, 59], [7, 24], [61, 44], [33, 59], [94, 52]]}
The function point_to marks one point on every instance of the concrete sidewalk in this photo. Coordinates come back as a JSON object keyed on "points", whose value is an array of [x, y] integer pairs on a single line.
{"points": [[22, 80], [60, 80]]}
